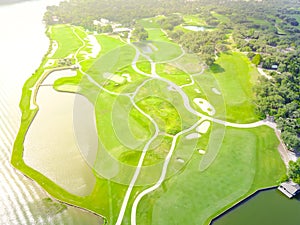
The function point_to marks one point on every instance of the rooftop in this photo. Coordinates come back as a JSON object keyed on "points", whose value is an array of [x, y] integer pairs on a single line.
{"points": [[289, 188]]}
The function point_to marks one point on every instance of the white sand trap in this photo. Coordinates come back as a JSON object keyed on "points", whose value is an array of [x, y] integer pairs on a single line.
{"points": [[205, 106], [153, 47], [127, 76], [180, 160], [202, 152], [170, 88], [115, 78], [197, 90], [96, 48], [32, 104], [85, 54], [193, 136], [203, 127], [69, 56], [54, 48], [50, 62], [216, 91]]}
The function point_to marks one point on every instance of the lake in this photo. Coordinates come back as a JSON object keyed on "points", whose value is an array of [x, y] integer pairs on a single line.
{"points": [[23, 44], [269, 207]]}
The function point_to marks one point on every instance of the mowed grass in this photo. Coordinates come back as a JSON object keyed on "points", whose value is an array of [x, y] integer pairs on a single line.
{"points": [[193, 20], [173, 74], [247, 160], [68, 43], [220, 17], [148, 23], [166, 49], [111, 62], [235, 77]]}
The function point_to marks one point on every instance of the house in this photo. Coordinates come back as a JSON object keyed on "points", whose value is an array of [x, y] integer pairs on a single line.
{"points": [[121, 30], [290, 189]]}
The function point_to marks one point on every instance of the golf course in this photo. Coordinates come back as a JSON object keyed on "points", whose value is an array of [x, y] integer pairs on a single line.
{"points": [[143, 132]]}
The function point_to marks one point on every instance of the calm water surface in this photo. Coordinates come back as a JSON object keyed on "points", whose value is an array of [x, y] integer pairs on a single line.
{"points": [[266, 208], [23, 44]]}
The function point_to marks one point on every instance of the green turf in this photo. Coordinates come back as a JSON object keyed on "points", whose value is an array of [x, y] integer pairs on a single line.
{"points": [[148, 23], [234, 74], [193, 20], [68, 43], [238, 170], [220, 17]]}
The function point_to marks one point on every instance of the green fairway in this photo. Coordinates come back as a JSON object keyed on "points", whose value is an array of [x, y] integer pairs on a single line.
{"points": [[238, 170], [234, 76], [68, 43], [193, 20]]}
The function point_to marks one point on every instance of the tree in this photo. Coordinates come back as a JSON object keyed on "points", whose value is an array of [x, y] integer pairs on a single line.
{"points": [[208, 59], [294, 171], [256, 59], [140, 33], [107, 29]]}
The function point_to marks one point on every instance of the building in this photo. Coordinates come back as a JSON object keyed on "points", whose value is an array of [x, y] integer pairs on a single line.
{"points": [[290, 189], [121, 30]]}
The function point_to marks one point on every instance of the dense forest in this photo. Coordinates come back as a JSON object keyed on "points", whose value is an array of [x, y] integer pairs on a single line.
{"points": [[267, 31]]}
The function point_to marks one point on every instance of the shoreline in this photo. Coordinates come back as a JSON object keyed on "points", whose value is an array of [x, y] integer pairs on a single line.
{"points": [[240, 202], [27, 116]]}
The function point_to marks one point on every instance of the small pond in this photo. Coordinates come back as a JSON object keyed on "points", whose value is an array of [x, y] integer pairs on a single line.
{"points": [[195, 28]]}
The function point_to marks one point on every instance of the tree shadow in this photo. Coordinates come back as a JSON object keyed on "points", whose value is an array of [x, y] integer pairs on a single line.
{"points": [[216, 68]]}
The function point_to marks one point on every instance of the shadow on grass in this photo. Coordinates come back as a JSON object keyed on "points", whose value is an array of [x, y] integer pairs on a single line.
{"points": [[216, 68]]}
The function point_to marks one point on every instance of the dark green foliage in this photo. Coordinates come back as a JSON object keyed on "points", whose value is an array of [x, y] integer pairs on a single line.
{"points": [[140, 33], [256, 59], [294, 171], [170, 22], [279, 97]]}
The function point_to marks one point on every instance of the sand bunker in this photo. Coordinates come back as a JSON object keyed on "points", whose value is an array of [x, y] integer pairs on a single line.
{"points": [[205, 106], [216, 91], [114, 77], [193, 136], [197, 90], [54, 48], [50, 62], [203, 127], [202, 152], [94, 46], [127, 76], [180, 160]]}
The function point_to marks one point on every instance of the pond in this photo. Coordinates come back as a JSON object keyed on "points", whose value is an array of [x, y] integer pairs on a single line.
{"points": [[52, 145], [267, 207], [195, 28]]}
